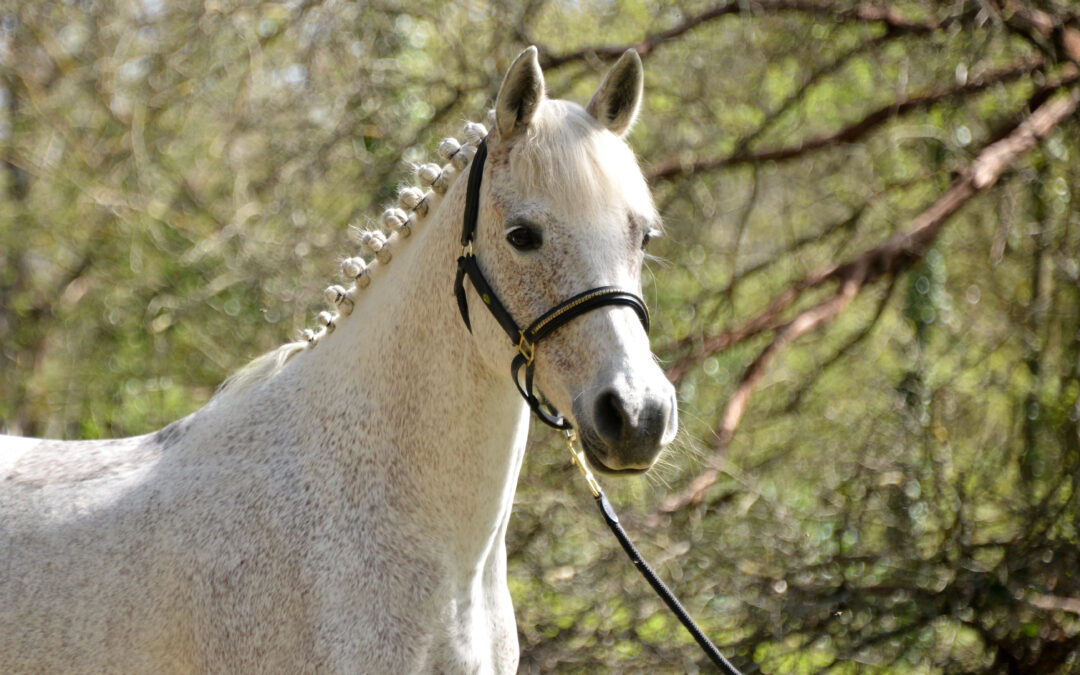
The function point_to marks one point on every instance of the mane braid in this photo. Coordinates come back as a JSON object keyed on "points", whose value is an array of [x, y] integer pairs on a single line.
{"points": [[414, 204]]}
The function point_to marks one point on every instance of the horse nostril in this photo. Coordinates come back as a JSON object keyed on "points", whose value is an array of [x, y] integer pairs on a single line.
{"points": [[609, 416]]}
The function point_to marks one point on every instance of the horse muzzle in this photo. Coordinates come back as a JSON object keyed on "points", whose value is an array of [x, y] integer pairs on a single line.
{"points": [[624, 428]]}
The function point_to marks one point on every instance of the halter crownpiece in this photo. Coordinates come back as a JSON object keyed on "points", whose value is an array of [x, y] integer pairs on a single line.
{"points": [[525, 340]]}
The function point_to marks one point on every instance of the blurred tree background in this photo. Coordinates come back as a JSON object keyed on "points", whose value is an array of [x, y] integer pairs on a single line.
{"points": [[868, 293]]}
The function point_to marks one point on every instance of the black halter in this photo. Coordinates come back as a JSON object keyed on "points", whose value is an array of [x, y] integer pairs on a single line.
{"points": [[526, 340]]}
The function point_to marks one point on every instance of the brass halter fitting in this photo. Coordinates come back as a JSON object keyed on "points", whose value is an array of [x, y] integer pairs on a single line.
{"points": [[526, 348], [579, 459]]}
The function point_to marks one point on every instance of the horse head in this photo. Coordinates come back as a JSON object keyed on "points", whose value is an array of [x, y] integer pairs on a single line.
{"points": [[563, 208]]}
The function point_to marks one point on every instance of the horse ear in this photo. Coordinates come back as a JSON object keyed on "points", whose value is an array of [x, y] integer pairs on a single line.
{"points": [[616, 102], [520, 95]]}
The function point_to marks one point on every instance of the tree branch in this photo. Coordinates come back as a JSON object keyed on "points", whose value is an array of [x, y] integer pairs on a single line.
{"points": [[887, 259], [1037, 26], [666, 169], [796, 398], [893, 20]]}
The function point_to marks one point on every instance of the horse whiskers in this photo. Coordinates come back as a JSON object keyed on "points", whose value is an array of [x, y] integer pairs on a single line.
{"points": [[655, 476]]}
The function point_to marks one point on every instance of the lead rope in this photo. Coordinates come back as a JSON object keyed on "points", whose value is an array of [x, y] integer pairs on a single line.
{"points": [[659, 586]]}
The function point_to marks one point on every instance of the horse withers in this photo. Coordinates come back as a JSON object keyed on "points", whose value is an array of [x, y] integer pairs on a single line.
{"points": [[341, 504]]}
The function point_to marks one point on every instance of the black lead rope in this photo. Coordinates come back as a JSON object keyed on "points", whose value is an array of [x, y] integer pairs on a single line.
{"points": [[661, 588], [525, 341], [612, 520]]}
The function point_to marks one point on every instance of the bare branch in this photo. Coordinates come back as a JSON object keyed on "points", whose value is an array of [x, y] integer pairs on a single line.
{"points": [[1054, 603], [809, 320], [894, 21], [1038, 26], [666, 169], [887, 259], [796, 397], [799, 94], [549, 61]]}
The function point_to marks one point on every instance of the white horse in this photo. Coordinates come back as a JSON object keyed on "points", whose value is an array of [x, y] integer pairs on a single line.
{"points": [[341, 504]]}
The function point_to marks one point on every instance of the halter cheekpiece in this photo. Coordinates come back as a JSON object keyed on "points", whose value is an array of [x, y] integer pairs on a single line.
{"points": [[526, 340]]}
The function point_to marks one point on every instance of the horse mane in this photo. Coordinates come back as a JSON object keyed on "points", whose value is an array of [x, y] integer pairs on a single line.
{"points": [[261, 368], [414, 204]]}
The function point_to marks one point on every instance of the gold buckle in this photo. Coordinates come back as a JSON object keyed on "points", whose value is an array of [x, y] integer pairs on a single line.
{"points": [[466, 250], [527, 349]]}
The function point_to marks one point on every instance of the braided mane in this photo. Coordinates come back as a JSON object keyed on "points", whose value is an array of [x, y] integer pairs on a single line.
{"points": [[376, 246]]}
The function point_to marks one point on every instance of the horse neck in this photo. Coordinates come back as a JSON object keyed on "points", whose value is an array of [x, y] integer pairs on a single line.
{"points": [[402, 382]]}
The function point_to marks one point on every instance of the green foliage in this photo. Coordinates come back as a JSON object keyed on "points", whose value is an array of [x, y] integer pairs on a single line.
{"points": [[901, 493]]}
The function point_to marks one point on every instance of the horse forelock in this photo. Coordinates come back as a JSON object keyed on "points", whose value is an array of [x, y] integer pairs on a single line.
{"points": [[567, 154]]}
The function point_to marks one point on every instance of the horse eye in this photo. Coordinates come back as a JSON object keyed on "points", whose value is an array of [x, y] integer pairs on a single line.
{"points": [[523, 238], [649, 234]]}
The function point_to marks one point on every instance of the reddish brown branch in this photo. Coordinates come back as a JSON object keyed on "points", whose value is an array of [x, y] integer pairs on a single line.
{"points": [[896, 23], [897, 253], [986, 167], [807, 321], [665, 169], [650, 42], [1065, 40], [768, 319], [1055, 604]]}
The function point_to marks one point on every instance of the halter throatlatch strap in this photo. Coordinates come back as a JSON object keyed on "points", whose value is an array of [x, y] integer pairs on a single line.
{"points": [[525, 340]]}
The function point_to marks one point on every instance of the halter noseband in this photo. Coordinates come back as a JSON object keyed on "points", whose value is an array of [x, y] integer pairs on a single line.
{"points": [[559, 315]]}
